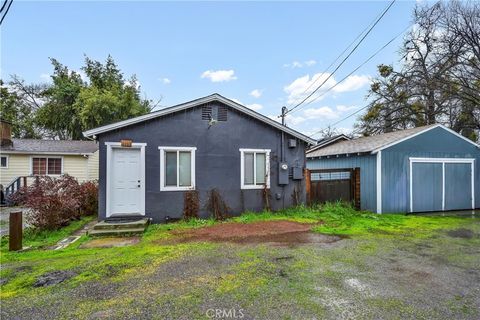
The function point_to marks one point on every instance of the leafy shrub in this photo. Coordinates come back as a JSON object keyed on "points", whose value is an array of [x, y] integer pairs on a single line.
{"points": [[216, 205], [88, 198], [54, 202], [191, 205]]}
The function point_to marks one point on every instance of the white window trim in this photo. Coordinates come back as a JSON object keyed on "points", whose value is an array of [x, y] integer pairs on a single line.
{"points": [[242, 168], [8, 160], [46, 157], [162, 169], [110, 146], [470, 161]]}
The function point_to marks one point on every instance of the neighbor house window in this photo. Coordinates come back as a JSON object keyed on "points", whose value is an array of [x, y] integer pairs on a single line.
{"points": [[4, 162], [177, 168], [46, 166], [255, 168]]}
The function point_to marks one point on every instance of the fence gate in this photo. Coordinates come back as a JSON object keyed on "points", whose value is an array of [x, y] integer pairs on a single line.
{"points": [[331, 185]]}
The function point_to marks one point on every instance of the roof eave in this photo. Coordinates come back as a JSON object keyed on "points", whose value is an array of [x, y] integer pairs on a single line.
{"points": [[194, 103], [375, 151], [48, 153]]}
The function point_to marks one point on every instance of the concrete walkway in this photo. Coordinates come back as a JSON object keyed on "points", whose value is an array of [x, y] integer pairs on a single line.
{"points": [[5, 217]]}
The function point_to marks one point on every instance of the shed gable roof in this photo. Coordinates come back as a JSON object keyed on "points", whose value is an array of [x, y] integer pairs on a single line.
{"points": [[195, 103], [376, 143]]}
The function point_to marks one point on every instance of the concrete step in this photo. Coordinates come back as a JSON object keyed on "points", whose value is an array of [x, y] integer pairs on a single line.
{"points": [[116, 232], [102, 225]]}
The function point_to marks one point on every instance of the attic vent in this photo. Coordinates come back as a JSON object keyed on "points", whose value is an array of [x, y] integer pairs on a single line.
{"points": [[222, 113], [206, 112]]}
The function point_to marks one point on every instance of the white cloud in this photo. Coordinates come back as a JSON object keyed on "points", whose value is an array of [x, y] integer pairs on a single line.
{"points": [[352, 83], [298, 64], [45, 77], [303, 86], [257, 93], [165, 80], [327, 113], [289, 119], [255, 106], [343, 108], [321, 113], [219, 75]]}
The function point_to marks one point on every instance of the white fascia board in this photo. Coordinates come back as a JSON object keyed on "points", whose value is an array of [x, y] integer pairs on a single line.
{"points": [[423, 131], [214, 97]]}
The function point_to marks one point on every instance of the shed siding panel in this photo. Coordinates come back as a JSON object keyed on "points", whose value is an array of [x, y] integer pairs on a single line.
{"points": [[367, 165], [436, 143]]}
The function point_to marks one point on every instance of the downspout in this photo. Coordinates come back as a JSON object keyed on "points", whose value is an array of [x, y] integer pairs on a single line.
{"points": [[282, 151]]}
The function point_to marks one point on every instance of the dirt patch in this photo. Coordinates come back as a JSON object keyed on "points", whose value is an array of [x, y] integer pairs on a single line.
{"points": [[461, 233], [110, 242], [272, 232], [54, 277]]}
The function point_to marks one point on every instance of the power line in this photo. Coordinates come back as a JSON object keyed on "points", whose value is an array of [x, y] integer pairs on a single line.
{"points": [[338, 57], [343, 79], [344, 59], [6, 11], [3, 5]]}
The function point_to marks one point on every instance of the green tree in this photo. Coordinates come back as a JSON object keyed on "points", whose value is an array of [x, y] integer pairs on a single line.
{"points": [[109, 97], [18, 103], [59, 114], [438, 81], [71, 105]]}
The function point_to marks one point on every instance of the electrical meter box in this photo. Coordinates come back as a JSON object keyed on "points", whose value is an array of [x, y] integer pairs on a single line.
{"points": [[292, 143], [283, 173], [297, 173]]}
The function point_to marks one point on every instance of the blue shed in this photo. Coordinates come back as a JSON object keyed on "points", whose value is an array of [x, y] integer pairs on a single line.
{"points": [[430, 168]]}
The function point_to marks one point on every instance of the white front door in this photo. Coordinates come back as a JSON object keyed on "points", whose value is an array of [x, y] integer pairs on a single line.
{"points": [[126, 185]]}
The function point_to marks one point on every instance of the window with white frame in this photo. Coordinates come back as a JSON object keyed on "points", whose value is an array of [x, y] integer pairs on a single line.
{"points": [[255, 168], [177, 168], [47, 166], [4, 162]]}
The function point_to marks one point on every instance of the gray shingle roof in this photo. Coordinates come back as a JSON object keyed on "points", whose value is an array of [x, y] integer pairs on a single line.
{"points": [[51, 146], [366, 144]]}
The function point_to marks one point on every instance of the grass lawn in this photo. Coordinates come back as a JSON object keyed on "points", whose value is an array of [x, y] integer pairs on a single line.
{"points": [[385, 266]]}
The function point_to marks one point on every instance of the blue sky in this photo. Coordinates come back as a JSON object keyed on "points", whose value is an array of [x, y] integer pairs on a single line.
{"points": [[262, 54]]}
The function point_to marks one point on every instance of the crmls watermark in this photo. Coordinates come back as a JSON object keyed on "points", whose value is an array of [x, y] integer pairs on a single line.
{"points": [[225, 313]]}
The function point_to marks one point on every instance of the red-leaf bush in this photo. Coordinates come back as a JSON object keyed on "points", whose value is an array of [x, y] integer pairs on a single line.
{"points": [[54, 202]]}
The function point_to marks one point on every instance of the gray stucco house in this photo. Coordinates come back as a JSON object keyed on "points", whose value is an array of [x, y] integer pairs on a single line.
{"points": [[147, 163], [430, 168]]}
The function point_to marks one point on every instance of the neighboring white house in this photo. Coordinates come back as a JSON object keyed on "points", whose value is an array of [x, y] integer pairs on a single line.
{"points": [[32, 157]]}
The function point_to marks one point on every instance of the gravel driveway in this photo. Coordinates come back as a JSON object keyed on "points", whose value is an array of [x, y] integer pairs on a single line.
{"points": [[370, 277]]}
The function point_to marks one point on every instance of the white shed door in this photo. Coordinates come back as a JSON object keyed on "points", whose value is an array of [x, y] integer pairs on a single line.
{"points": [[125, 181]]}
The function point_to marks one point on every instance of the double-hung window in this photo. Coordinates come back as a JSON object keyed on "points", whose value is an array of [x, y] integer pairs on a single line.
{"points": [[177, 168], [46, 166], [255, 168], [4, 162]]}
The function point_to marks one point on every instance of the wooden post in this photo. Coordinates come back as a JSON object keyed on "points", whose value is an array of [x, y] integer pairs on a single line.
{"points": [[307, 185], [16, 232], [357, 188], [24, 181]]}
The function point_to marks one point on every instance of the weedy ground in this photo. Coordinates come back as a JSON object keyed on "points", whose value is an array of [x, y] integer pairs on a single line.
{"points": [[382, 266]]}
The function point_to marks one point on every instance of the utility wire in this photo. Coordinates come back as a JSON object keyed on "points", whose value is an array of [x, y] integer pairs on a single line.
{"points": [[339, 56], [344, 78], [3, 5], [344, 59], [6, 11]]}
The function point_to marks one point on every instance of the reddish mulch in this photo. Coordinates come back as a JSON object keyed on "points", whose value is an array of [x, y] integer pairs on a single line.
{"points": [[273, 232]]}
